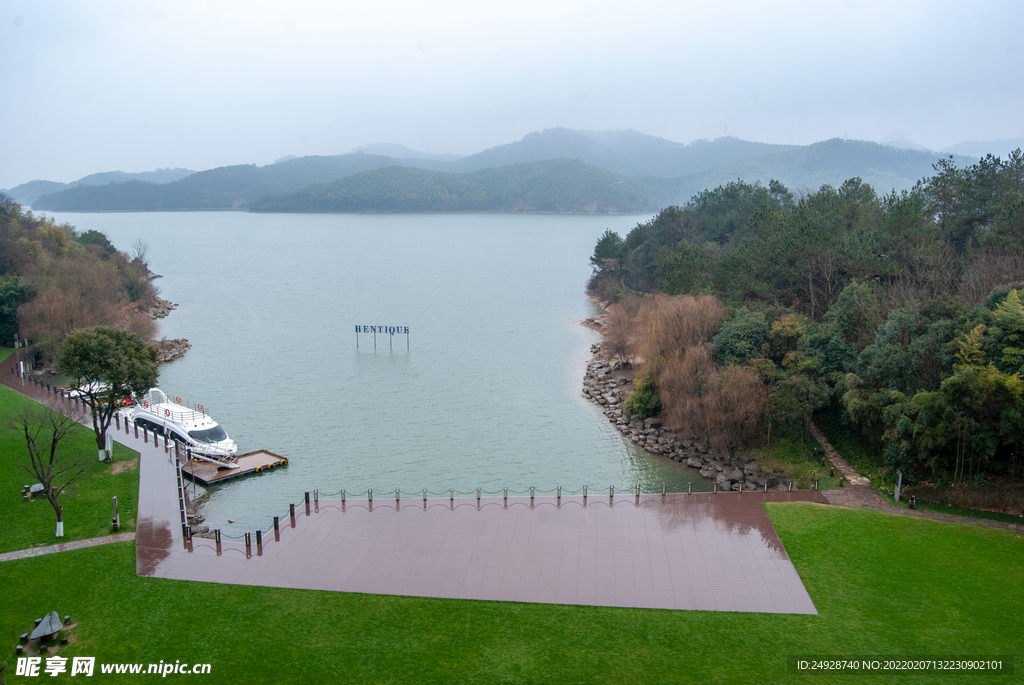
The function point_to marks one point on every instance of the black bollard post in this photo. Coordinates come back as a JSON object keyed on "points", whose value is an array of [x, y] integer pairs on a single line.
{"points": [[277, 530], [291, 511], [424, 500], [259, 543], [584, 495], [832, 472], [248, 546], [343, 500], [307, 504], [369, 497], [559, 502], [216, 536], [506, 498], [316, 500]]}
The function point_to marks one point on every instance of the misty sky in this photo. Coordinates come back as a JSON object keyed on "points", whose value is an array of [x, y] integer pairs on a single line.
{"points": [[98, 86]]}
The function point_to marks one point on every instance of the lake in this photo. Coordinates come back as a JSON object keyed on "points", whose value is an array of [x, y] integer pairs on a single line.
{"points": [[485, 392]]}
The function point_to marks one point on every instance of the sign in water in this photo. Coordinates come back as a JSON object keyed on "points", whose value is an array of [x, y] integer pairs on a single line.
{"points": [[390, 331]]}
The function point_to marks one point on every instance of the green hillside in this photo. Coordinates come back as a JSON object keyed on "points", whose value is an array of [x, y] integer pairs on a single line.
{"points": [[561, 185], [230, 187], [657, 173]]}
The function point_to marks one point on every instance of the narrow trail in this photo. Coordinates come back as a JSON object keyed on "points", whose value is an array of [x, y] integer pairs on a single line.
{"points": [[830, 453], [860, 494], [65, 546]]}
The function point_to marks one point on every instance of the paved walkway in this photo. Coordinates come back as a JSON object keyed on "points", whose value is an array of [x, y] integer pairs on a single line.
{"points": [[65, 546], [865, 497]]}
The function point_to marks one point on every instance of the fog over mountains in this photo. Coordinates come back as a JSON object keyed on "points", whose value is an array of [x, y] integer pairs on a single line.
{"points": [[602, 171]]}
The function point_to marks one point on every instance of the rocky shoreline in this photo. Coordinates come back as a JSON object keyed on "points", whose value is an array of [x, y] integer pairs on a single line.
{"points": [[609, 385], [167, 350]]}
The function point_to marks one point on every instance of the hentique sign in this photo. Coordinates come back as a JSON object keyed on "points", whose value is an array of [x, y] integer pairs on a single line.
{"points": [[389, 331]]}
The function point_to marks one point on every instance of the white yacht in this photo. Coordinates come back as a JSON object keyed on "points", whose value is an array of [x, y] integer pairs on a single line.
{"points": [[190, 425]]}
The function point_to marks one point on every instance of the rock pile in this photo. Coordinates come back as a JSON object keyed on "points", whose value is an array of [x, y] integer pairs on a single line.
{"points": [[169, 350], [155, 307], [609, 385]]}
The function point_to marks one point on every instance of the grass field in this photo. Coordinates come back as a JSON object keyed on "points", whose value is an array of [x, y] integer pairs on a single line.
{"points": [[87, 504], [882, 584]]}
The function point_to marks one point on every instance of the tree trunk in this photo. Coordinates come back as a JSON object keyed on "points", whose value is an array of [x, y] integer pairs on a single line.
{"points": [[59, 511]]}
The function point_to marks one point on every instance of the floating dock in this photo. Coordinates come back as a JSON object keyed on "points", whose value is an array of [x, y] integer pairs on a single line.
{"points": [[205, 473]]}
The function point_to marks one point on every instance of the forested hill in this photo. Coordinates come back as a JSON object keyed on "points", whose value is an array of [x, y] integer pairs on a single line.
{"points": [[902, 312], [230, 187], [561, 185], [829, 162], [668, 173], [28, 192], [630, 153]]}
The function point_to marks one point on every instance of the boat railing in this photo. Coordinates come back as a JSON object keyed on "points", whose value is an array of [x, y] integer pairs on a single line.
{"points": [[189, 411]]}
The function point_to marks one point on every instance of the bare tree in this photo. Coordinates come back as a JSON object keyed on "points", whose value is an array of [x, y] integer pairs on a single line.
{"points": [[620, 336], [140, 250], [674, 323], [734, 405], [54, 466], [994, 267]]}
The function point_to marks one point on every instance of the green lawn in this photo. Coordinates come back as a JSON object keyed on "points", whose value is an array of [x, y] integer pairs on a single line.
{"points": [[883, 585], [87, 504]]}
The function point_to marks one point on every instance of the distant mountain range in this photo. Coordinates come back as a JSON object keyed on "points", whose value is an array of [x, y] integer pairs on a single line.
{"points": [[27, 192], [557, 170]]}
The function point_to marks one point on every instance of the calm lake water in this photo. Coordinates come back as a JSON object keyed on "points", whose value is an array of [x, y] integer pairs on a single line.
{"points": [[487, 394]]}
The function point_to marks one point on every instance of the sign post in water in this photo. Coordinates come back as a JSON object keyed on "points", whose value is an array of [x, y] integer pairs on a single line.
{"points": [[390, 331]]}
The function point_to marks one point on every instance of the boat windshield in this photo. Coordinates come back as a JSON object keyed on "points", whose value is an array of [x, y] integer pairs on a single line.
{"points": [[210, 435]]}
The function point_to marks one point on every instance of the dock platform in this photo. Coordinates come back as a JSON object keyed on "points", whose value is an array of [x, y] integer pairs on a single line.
{"points": [[205, 473]]}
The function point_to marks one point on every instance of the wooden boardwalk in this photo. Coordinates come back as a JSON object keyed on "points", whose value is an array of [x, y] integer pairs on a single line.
{"points": [[206, 473]]}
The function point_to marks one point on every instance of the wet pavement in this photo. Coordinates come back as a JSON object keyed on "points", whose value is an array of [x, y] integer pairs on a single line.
{"points": [[713, 552], [702, 551]]}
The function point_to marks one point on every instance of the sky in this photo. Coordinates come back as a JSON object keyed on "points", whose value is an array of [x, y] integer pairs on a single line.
{"points": [[98, 86]]}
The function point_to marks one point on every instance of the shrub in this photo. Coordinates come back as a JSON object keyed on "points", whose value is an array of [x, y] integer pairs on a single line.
{"points": [[645, 400]]}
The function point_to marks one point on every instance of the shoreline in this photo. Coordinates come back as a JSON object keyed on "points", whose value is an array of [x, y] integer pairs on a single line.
{"points": [[167, 350], [608, 385]]}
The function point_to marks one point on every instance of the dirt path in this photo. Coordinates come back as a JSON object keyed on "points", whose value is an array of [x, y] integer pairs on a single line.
{"points": [[861, 494], [65, 546], [848, 472]]}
